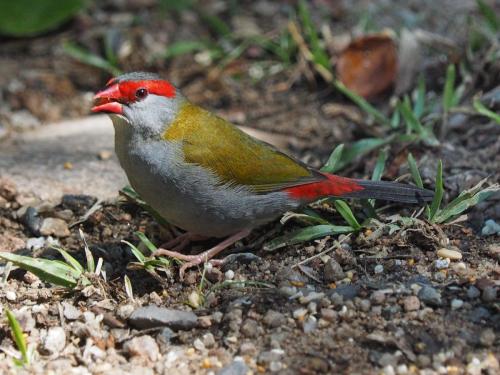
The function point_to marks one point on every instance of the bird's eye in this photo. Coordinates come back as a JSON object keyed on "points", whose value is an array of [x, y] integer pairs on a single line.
{"points": [[141, 93]]}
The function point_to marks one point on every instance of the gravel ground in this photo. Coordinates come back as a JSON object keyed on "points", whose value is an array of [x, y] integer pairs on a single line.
{"points": [[400, 297]]}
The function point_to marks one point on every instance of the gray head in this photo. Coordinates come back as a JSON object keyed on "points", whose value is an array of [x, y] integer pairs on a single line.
{"points": [[147, 102]]}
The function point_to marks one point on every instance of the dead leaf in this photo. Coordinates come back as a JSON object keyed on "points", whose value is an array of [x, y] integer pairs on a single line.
{"points": [[368, 66]]}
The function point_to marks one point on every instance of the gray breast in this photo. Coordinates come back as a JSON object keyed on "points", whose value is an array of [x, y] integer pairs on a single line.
{"points": [[188, 195]]}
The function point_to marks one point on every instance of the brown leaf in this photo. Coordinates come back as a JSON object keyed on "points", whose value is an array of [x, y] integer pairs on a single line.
{"points": [[368, 66]]}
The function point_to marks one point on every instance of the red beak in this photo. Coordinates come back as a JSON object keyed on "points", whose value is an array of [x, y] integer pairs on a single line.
{"points": [[108, 100]]}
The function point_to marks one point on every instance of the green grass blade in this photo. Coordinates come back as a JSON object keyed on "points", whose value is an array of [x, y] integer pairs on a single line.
{"points": [[411, 121], [481, 109], [415, 173], [319, 54], [70, 260], [86, 57], [359, 149], [362, 103], [151, 247], [88, 254], [184, 47], [419, 107], [376, 176], [395, 119], [216, 24], [333, 160], [379, 166], [136, 252], [465, 200], [304, 235], [489, 15], [438, 195], [449, 88], [53, 271], [345, 211], [128, 287], [18, 336]]}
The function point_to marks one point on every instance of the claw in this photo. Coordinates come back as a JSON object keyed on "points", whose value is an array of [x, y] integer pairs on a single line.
{"points": [[206, 256]]}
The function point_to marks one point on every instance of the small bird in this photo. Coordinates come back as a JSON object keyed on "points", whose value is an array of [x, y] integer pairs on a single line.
{"points": [[206, 176]]}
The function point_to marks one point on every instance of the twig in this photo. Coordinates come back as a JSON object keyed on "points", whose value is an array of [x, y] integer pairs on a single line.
{"points": [[336, 245]]}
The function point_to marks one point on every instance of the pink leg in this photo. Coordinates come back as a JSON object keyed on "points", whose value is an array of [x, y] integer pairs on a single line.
{"points": [[179, 243], [194, 260]]}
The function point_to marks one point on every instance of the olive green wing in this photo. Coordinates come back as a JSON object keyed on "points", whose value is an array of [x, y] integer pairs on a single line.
{"points": [[235, 157]]}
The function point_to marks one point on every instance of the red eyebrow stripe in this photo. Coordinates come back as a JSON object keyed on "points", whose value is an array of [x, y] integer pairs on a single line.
{"points": [[156, 87]]}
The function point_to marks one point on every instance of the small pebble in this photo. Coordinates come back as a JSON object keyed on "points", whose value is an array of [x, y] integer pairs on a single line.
{"points": [[310, 324], [208, 340], [54, 227], [299, 314], [411, 303], [378, 297], [104, 155], [441, 264], [35, 243], [450, 254], [365, 305], [248, 348], [430, 296], [456, 303], [194, 299], [489, 294], [333, 271], [55, 341], [487, 337], [229, 275], [10, 295], [275, 366], [313, 296], [71, 312], [378, 268], [473, 292], [198, 345], [142, 346], [274, 319]]}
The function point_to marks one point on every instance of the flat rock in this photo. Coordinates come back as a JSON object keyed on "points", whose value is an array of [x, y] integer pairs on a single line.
{"points": [[63, 158], [153, 316]]}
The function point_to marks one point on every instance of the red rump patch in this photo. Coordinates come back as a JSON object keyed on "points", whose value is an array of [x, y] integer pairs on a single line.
{"points": [[333, 186]]}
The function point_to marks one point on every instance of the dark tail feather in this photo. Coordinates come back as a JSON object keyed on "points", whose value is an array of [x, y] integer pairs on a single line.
{"points": [[391, 191]]}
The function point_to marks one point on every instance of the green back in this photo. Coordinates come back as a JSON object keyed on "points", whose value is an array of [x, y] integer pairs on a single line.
{"points": [[234, 156]]}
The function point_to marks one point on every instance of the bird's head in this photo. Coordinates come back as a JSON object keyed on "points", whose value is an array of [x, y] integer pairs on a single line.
{"points": [[144, 100]]}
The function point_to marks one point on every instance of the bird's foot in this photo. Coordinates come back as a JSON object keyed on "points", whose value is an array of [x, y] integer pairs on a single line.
{"points": [[180, 242], [204, 257]]}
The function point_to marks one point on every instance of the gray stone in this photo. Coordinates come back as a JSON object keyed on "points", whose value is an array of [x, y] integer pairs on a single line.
{"points": [[54, 227], [237, 367], [430, 296], [333, 271], [478, 314], [250, 328], [165, 335], [55, 341], [274, 319], [473, 292], [142, 346], [153, 316], [487, 337], [71, 312], [411, 303], [378, 297], [489, 294]]}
